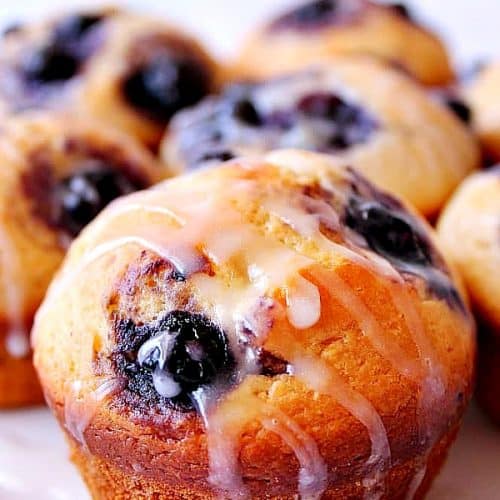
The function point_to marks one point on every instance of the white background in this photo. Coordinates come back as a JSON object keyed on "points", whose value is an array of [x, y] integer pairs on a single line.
{"points": [[33, 464]]}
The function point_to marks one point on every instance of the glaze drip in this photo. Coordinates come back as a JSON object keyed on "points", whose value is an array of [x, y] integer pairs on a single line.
{"points": [[16, 341], [189, 223]]}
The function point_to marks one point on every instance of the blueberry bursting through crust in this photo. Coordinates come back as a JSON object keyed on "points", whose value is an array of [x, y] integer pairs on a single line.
{"points": [[166, 84], [337, 124], [61, 57], [172, 357], [391, 232], [78, 199]]}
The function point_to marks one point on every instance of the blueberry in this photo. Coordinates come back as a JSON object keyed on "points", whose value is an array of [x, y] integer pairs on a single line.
{"points": [[73, 27], [216, 155], [461, 110], [80, 197], [165, 85], [388, 233], [50, 64], [246, 112], [350, 124], [449, 98], [271, 365], [186, 352], [310, 14]]}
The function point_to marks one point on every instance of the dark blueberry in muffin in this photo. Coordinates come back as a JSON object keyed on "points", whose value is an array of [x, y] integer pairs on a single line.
{"points": [[449, 98], [49, 64], [165, 85], [188, 351], [73, 27], [79, 198], [216, 155], [246, 112], [350, 124], [460, 109], [388, 233], [308, 15]]}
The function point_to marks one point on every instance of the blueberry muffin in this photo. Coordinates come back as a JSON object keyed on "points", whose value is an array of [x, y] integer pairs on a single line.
{"points": [[57, 174], [322, 29], [410, 145], [469, 229], [483, 96], [270, 328], [130, 71]]}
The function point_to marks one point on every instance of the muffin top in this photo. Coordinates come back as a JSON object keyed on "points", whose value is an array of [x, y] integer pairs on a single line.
{"points": [[335, 108], [216, 291], [127, 69]]}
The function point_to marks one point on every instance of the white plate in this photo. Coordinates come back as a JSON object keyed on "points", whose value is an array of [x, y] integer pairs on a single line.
{"points": [[34, 463]]}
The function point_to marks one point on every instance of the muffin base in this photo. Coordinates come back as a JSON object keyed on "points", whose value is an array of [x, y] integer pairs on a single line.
{"points": [[106, 481], [19, 385]]}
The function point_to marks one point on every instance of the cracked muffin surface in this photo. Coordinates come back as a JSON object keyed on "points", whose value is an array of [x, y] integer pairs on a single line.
{"points": [[272, 327]]}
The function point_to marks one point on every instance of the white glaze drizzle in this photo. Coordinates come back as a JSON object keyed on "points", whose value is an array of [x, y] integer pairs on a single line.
{"points": [[303, 308], [17, 338], [225, 424], [82, 403], [416, 482], [303, 303]]}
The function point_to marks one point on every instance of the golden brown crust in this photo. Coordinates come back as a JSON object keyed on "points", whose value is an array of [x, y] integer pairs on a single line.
{"points": [[148, 446], [375, 30], [19, 384], [108, 482]]}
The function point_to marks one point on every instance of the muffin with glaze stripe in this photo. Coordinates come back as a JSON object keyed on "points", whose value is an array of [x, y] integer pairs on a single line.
{"points": [[130, 71], [356, 109], [318, 30], [57, 174], [273, 327]]}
